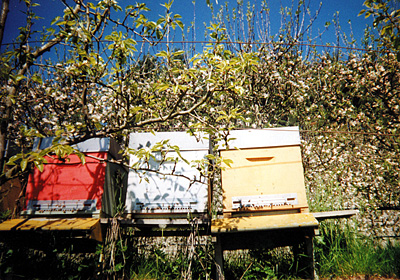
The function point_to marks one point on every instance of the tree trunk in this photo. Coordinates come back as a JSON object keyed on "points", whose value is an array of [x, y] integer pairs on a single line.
{"points": [[4, 127], [7, 114], [3, 18]]}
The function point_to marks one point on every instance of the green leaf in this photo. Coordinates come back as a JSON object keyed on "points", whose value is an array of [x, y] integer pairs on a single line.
{"points": [[130, 41], [175, 89], [39, 165], [227, 162], [61, 22], [19, 78], [168, 5], [367, 14], [159, 34], [162, 87], [56, 140], [176, 149], [388, 30], [162, 54], [180, 24], [55, 20], [130, 7], [177, 53], [160, 21], [81, 157], [37, 79], [24, 164], [12, 160], [51, 30]]}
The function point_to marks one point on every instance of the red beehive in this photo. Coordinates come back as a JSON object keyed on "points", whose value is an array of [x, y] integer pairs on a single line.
{"points": [[67, 186]]}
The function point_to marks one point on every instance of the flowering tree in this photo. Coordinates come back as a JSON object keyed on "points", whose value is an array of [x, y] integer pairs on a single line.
{"points": [[105, 83], [387, 21]]}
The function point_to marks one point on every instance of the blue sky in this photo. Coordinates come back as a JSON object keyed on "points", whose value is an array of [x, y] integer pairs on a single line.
{"points": [[348, 10]]}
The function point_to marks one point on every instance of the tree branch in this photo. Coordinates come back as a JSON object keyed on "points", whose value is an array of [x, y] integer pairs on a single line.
{"points": [[3, 18]]}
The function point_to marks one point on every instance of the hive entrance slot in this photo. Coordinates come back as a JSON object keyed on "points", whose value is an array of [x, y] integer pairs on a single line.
{"points": [[255, 201], [62, 206]]}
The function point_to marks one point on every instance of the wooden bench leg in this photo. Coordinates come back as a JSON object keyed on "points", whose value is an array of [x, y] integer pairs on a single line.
{"points": [[304, 258], [310, 256], [219, 258]]}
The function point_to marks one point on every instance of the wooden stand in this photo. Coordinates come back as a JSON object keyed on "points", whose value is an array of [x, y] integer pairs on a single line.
{"points": [[300, 239]]}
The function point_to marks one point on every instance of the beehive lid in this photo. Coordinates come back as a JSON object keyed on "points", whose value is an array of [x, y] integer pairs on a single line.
{"points": [[88, 146], [262, 138], [182, 139]]}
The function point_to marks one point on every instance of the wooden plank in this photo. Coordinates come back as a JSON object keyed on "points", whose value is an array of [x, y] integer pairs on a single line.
{"points": [[269, 222], [334, 214], [73, 224], [49, 224]]}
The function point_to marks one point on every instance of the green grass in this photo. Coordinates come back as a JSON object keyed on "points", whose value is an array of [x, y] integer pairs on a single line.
{"points": [[259, 264], [339, 251]]}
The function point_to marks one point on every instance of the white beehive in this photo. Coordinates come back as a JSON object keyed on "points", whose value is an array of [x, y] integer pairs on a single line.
{"points": [[154, 194]]}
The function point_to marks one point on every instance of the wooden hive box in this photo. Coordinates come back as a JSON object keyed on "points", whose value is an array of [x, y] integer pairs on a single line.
{"points": [[68, 187], [266, 174], [152, 195]]}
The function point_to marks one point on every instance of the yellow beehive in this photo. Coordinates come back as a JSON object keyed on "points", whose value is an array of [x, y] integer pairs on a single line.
{"points": [[266, 174]]}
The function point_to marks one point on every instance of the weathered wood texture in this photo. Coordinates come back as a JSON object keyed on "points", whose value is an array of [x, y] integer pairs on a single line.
{"points": [[335, 214]]}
